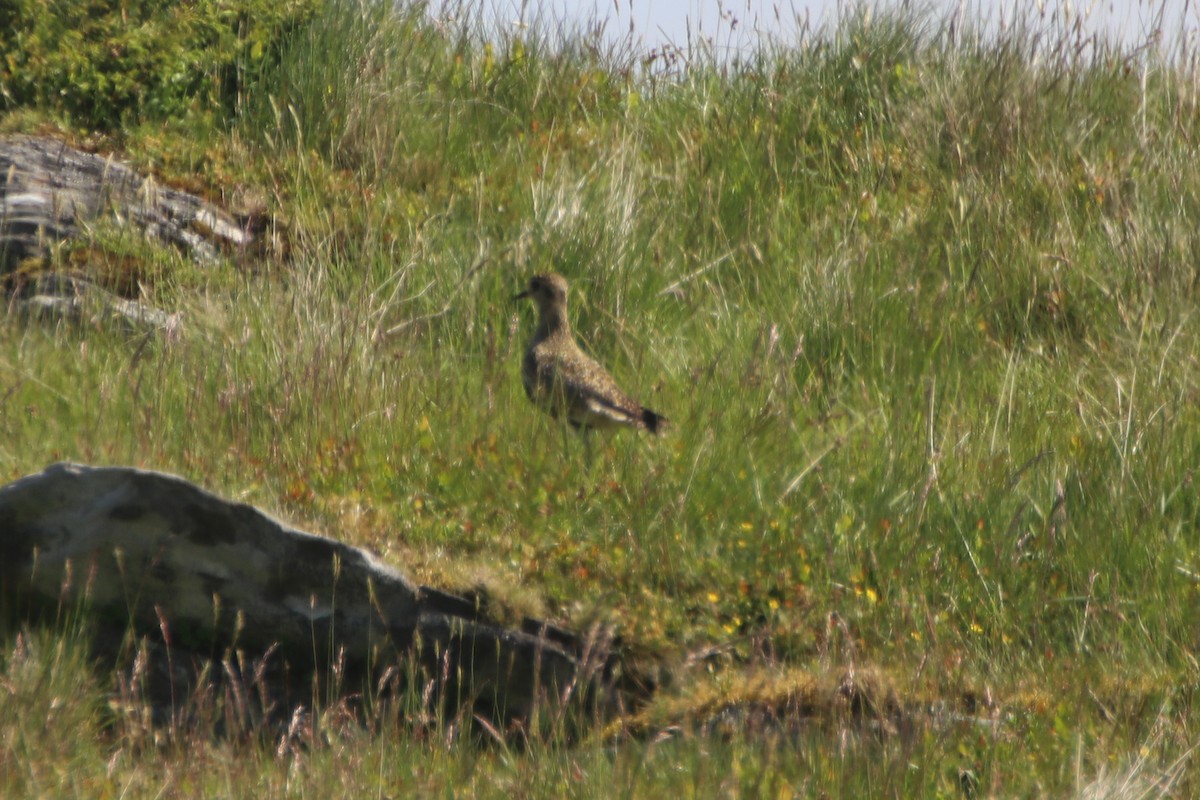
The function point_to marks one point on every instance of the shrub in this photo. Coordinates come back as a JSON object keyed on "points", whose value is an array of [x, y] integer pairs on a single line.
{"points": [[105, 63]]}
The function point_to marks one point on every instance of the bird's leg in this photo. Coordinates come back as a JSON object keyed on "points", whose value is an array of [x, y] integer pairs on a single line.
{"points": [[587, 448], [566, 441]]}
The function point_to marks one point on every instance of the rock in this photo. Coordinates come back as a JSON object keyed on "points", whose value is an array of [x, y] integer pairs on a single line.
{"points": [[49, 190], [199, 576], [51, 193], [67, 298]]}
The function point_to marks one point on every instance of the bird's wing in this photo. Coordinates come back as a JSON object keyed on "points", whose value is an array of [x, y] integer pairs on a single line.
{"points": [[588, 389]]}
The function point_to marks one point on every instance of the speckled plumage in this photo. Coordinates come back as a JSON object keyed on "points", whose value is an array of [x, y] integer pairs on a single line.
{"points": [[563, 380]]}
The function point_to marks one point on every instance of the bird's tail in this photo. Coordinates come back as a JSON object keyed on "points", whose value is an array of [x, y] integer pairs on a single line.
{"points": [[654, 422]]}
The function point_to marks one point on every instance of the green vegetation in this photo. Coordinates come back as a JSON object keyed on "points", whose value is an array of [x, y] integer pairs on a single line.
{"points": [[107, 62], [920, 305]]}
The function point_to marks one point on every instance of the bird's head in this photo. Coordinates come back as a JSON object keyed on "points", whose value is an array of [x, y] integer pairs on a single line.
{"points": [[548, 290]]}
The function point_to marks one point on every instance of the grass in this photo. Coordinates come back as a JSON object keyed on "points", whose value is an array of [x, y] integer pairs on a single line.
{"points": [[920, 304]]}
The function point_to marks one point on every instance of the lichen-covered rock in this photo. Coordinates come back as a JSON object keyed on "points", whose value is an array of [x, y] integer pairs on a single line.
{"points": [[48, 190], [58, 297], [51, 193], [153, 552]]}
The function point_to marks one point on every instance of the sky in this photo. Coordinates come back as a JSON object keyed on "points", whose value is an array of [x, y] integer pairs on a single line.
{"points": [[733, 24], [1124, 19]]}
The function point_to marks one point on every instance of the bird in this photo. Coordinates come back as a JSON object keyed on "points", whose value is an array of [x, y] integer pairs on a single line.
{"points": [[563, 380]]}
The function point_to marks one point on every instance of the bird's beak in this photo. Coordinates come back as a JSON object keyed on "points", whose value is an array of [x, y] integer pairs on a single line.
{"points": [[521, 295]]}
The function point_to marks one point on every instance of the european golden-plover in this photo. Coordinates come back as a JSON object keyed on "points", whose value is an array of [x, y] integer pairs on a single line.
{"points": [[563, 380]]}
